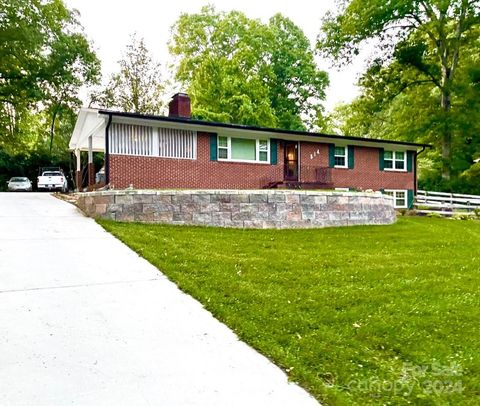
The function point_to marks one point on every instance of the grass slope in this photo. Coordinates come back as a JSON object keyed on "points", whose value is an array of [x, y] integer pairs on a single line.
{"points": [[361, 315]]}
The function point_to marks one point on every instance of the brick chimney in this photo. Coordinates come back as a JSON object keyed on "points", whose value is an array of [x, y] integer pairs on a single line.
{"points": [[180, 106]]}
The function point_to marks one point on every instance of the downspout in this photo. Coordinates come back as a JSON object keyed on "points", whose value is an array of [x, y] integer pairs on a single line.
{"points": [[415, 170], [107, 151]]}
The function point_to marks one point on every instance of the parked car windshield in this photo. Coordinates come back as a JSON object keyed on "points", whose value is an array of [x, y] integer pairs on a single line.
{"points": [[52, 174], [19, 180]]}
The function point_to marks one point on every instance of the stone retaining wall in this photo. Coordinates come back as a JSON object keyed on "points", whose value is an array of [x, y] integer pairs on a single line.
{"points": [[240, 208]]}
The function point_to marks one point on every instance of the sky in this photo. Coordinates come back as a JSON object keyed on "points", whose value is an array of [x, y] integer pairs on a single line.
{"points": [[109, 24]]}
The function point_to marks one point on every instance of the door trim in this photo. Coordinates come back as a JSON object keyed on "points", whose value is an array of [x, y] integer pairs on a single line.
{"points": [[286, 161]]}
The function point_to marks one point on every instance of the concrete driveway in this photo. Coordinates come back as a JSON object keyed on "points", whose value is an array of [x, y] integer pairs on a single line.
{"points": [[86, 321]]}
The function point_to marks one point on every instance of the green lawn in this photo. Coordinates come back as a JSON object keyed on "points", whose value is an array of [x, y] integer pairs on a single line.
{"points": [[360, 315]]}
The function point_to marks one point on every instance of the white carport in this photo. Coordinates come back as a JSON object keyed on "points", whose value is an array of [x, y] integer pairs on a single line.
{"points": [[89, 136]]}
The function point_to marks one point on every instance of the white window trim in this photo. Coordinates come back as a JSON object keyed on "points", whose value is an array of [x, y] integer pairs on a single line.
{"points": [[346, 156], [393, 161], [228, 148], [257, 151], [394, 191]]}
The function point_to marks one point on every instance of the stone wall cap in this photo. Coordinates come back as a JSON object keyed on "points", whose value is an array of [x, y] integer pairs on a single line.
{"points": [[116, 192]]}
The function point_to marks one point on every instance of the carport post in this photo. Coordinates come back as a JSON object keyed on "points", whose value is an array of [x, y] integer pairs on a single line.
{"points": [[78, 172], [91, 167]]}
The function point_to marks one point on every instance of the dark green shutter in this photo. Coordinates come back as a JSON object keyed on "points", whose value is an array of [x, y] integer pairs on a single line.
{"points": [[213, 147], [381, 161], [273, 152], [351, 157], [410, 198], [382, 190], [331, 155], [410, 161]]}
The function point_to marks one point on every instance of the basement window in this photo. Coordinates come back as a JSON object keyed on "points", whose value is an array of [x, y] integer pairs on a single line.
{"points": [[399, 197]]}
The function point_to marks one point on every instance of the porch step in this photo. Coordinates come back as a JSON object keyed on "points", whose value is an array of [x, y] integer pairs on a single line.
{"points": [[298, 185]]}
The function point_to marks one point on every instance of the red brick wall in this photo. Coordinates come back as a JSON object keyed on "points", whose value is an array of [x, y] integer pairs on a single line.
{"points": [[158, 173], [91, 174], [365, 174]]}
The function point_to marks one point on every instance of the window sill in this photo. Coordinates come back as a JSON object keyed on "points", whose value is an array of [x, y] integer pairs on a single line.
{"points": [[341, 167], [152, 156], [240, 161], [394, 170]]}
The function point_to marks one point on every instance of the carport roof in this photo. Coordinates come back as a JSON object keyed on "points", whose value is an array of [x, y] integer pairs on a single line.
{"points": [[89, 123]]}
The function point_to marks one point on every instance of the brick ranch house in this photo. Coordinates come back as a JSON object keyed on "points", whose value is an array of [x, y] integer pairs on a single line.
{"points": [[158, 152]]}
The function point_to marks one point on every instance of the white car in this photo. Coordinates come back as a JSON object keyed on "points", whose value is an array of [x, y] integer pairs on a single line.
{"points": [[19, 184], [52, 180]]}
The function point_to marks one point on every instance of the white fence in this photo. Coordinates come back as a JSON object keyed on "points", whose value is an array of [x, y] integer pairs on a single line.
{"points": [[446, 204]]}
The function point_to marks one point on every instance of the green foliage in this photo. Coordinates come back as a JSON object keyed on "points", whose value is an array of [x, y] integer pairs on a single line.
{"points": [[27, 164], [240, 70], [44, 59], [296, 79], [467, 182], [461, 216], [138, 86], [347, 312], [423, 84]]}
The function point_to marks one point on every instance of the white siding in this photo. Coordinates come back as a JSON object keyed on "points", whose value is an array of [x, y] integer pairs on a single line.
{"points": [[127, 139], [180, 144]]}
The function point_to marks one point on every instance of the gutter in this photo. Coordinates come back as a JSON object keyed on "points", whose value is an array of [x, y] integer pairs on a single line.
{"points": [[107, 151], [415, 169]]}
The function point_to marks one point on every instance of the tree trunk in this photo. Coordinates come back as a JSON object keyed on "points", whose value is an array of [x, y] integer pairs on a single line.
{"points": [[52, 129], [446, 136]]}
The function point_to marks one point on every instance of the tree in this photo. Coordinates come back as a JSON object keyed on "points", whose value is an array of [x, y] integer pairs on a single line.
{"points": [[72, 64], [240, 70], [385, 109], [138, 86], [44, 60], [297, 85], [424, 38]]}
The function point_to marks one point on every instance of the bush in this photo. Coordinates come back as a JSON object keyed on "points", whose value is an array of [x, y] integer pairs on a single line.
{"points": [[460, 216], [467, 182]]}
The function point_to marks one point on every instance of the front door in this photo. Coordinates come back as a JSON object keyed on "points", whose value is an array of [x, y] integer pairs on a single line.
{"points": [[291, 161]]}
